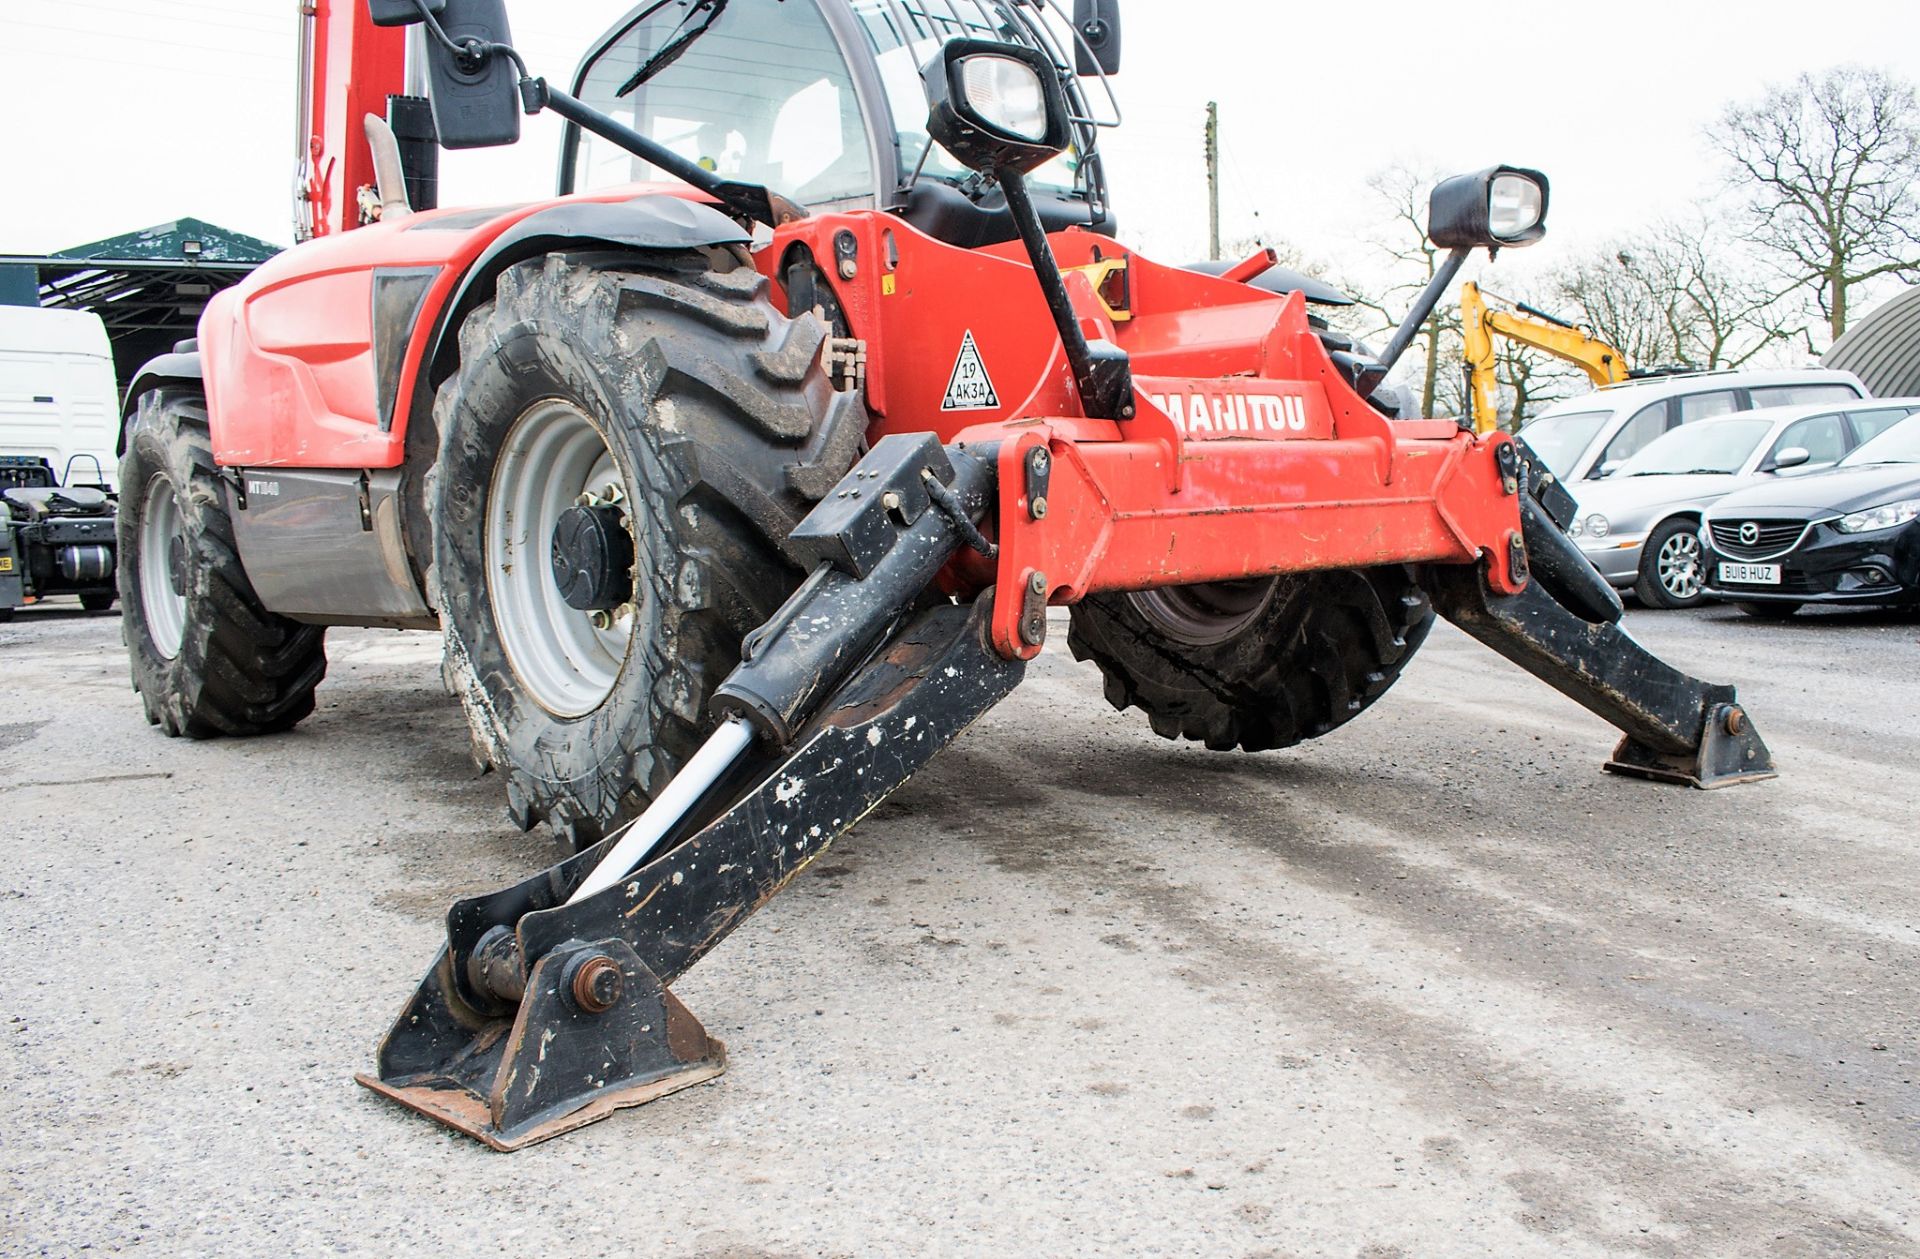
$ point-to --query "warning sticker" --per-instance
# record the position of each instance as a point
(970, 388)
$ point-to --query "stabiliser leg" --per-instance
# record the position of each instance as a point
(543, 1013)
(1676, 728)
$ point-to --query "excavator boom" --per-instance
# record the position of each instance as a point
(1481, 323)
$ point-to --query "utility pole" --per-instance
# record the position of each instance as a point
(1213, 180)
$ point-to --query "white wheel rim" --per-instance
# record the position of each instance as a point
(552, 456)
(162, 606)
(1680, 566)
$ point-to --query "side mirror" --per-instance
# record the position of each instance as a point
(1610, 467)
(1502, 206)
(476, 98)
(1096, 47)
(1791, 457)
(996, 107)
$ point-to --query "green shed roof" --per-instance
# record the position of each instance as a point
(189, 240)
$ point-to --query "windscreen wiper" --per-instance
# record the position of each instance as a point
(681, 39)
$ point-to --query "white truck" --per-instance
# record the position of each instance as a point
(59, 474)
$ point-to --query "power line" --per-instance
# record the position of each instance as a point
(141, 39)
(1246, 192)
(66, 54)
(150, 15)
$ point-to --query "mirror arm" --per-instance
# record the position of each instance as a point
(1410, 326)
(1102, 372)
(749, 201)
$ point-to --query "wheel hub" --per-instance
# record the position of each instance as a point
(163, 566)
(592, 556)
(1680, 565)
(560, 554)
(177, 564)
(1206, 614)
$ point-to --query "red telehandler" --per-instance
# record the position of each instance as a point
(741, 475)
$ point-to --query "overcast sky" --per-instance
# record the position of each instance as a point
(133, 112)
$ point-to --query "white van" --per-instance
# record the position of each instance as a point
(1585, 438)
(58, 398)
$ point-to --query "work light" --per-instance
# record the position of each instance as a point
(1500, 207)
(996, 107)
(1007, 94)
(1514, 206)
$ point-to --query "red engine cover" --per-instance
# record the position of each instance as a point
(290, 352)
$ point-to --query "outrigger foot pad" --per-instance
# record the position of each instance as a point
(1731, 751)
(1677, 728)
(543, 1013)
(595, 1032)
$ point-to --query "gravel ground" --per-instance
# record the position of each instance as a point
(1433, 986)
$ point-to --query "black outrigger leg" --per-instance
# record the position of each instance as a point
(1676, 728)
(542, 1012)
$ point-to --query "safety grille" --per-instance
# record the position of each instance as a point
(1768, 537)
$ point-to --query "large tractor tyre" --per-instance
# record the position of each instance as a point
(1673, 567)
(207, 659)
(1257, 664)
(623, 453)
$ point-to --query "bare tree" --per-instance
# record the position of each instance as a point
(1677, 293)
(1402, 191)
(1830, 166)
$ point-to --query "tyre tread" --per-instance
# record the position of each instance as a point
(1309, 664)
(241, 670)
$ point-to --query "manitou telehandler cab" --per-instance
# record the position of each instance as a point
(741, 475)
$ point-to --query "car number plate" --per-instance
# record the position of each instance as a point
(1751, 574)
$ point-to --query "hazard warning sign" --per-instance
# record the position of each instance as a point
(970, 388)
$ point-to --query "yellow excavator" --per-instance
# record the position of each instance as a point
(1481, 323)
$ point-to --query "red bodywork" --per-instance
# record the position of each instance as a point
(1248, 453)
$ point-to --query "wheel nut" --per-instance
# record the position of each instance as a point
(601, 620)
(597, 983)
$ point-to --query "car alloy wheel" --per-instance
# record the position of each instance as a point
(1681, 566)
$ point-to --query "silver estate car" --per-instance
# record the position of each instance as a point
(1640, 525)
(1584, 438)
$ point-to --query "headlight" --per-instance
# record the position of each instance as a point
(1577, 529)
(1885, 516)
(1597, 526)
(1007, 94)
(1513, 206)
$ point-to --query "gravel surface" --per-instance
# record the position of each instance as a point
(1433, 986)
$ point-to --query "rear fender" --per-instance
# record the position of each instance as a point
(180, 368)
(655, 223)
